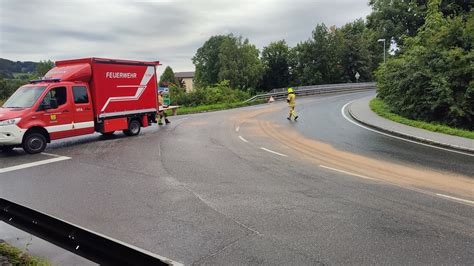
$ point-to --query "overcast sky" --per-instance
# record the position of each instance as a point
(164, 30)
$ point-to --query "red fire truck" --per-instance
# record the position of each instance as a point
(79, 97)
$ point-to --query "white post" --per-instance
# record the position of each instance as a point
(384, 49)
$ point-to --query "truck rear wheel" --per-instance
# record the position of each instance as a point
(34, 143)
(133, 128)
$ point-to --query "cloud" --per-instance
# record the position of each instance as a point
(166, 30)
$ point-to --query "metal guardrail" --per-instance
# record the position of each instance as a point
(279, 94)
(85, 243)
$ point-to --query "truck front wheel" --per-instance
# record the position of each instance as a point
(34, 142)
(133, 128)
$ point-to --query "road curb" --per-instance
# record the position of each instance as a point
(408, 136)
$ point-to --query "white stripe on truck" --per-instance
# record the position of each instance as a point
(150, 71)
(59, 128)
(127, 112)
(83, 125)
(66, 127)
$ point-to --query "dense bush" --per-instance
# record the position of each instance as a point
(219, 93)
(432, 79)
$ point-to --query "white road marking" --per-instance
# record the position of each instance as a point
(274, 152)
(242, 138)
(396, 137)
(237, 129)
(409, 188)
(33, 164)
(457, 199)
(50, 154)
(345, 172)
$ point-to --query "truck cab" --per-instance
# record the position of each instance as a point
(43, 111)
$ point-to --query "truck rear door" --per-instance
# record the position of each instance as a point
(83, 113)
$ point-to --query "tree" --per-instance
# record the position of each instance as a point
(228, 58)
(3, 89)
(275, 60)
(316, 61)
(229, 61)
(432, 79)
(251, 67)
(240, 63)
(392, 20)
(206, 61)
(353, 52)
(168, 78)
(43, 67)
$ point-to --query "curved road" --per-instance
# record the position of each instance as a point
(246, 186)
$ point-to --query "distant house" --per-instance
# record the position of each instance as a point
(186, 79)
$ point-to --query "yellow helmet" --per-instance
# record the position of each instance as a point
(290, 90)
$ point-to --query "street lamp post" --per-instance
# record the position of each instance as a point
(383, 40)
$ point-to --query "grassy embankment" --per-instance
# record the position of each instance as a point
(380, 108)
(16, 256)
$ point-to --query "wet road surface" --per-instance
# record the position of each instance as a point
(246, 186)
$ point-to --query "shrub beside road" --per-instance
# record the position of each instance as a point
(431, 78)
(219, 96)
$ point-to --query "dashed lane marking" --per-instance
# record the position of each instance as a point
(345, 172)
(33, 164)
(274, 152)
(459, 200)
(456, 199)
(237, 129)
(244, 140)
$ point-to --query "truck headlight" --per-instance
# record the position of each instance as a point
(8, 122)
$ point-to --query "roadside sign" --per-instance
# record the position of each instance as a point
(163, 89)
(166, 95)
(357, 76)
(166, 99)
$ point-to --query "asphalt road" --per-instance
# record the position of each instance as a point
(246, 186)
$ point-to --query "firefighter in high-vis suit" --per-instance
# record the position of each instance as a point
(161, 113)
(291, 103)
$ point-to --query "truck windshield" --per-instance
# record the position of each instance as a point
(24, 97)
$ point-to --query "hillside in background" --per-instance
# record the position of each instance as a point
(8, 68)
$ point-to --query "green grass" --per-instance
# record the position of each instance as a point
(381, 108)
(211, 107)
(16, 256)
